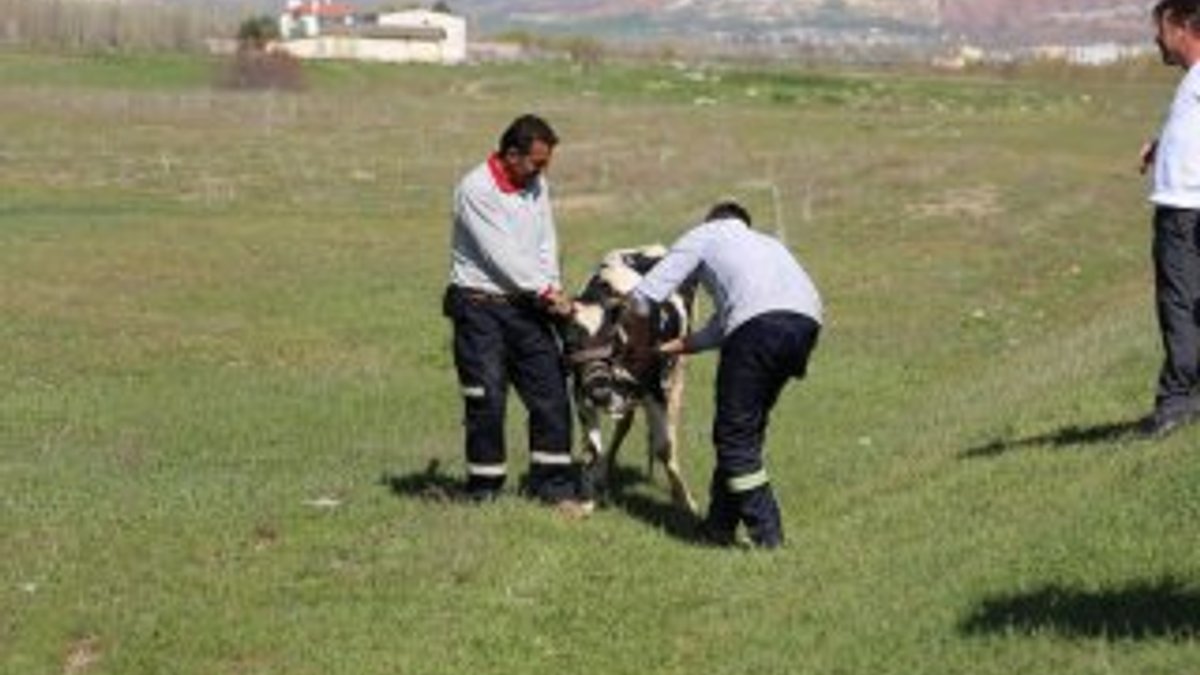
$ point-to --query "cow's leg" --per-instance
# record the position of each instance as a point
(621, 426)
(593, 449)
(674, 394)
(589, 425)
(661, 420)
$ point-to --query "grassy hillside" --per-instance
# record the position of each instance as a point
(220, 326)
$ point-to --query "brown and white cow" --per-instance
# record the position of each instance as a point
(595, 345)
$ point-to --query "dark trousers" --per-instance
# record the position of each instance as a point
(757, 360)
(497, 342)
(1177, 295)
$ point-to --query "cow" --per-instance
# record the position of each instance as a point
(594, 344)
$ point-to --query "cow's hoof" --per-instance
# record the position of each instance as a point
(573, 509)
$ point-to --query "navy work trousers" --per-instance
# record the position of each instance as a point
(757, 360)
(498, 341)
(1177, 295)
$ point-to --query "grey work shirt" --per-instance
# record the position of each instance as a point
(747, 273)
(504, 240)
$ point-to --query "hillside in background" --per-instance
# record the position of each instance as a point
(1032, 21)
(993, 22)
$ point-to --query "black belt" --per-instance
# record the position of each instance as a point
(480, 297)
(485, 298)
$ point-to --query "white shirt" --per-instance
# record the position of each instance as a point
(1177, 159)
(504, 239)
(747, 273)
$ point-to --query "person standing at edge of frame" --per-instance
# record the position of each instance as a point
(505, 291)
(766, 321)
(1175, 158)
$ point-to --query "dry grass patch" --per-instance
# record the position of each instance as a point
(82, 656)
(960, 203)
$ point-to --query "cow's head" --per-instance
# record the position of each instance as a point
(593, 341)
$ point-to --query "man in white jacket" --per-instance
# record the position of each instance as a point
(1175, 158)
(505, 286)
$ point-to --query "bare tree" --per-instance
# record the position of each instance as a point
(130, 25)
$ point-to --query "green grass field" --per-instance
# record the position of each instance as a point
(219, 314)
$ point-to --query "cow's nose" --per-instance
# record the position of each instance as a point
(600, 394)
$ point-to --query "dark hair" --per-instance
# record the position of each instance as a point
(524, 132)
(1179, 12)
(728, 209)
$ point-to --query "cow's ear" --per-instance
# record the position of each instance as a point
(654, 252)
(589, 317)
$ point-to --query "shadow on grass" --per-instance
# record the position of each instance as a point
(1065, 437)
(431, 484)
(663, 514)
(1143, 610)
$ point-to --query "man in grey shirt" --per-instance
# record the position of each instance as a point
(766, 323)
(504, 289)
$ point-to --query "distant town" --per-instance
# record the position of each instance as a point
(314, 29)
(947, 34)
(333, 29)
(329, 29)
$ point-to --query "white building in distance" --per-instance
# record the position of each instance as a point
(322, 29)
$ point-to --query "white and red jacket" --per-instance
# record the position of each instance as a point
(504, 240)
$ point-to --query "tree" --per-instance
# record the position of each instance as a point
(255, 32)
(585, 52)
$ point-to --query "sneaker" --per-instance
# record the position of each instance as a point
(1158, 426)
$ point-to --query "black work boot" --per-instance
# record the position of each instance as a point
(719, 527)
(760, 512)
